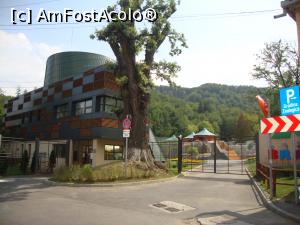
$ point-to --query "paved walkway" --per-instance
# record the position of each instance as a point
(208, 197)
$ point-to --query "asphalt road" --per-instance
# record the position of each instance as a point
(30, 201)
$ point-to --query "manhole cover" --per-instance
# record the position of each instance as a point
(172, 207)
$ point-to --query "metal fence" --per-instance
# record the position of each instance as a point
(12, 149)
(199, 156)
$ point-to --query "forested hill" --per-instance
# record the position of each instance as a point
(219, 108)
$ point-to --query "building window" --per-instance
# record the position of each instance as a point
(39, 115)
(108, 104)
(83, 107)
(61, 111)
(60, 150)
(113, 152)
(27, 118)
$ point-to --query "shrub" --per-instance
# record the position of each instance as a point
(13, 171)
(52, 160)
(111, 172)
(87, 174)
(33, 167)
(3, 166)
(24, 162)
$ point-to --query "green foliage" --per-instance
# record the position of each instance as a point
(24, 162)
(278, 64)
(3, 166)
(127, 40)
(176, 110)
(3, 98)
(18, 91)
(246, 127)
(192, 150)
(33, 162)
(104, 173)
(13, 171)
(52, 160)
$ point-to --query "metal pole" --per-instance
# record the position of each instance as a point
(169, 156)
(242, 158)
(228, 157)
(202, 156)
(126, 149)
(270, 156)
(191, 160)
(295, 167)
(215, 156)
(179, 157)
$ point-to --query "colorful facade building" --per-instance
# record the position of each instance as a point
(74, 112)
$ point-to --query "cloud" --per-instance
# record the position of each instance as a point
(231, 66)
(22, 61)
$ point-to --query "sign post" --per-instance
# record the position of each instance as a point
(290, 104)
(126, 123)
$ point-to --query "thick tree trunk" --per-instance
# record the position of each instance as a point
(135, 104)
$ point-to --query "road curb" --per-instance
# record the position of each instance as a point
(109, 184)
(269, 204)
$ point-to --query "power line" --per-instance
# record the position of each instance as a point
(26, 4)
(177, 18)
(229, 13)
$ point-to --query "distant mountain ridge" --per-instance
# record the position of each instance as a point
(182, 110)
(233, 96)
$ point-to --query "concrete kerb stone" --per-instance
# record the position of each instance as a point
(269, 204)
(109, 184)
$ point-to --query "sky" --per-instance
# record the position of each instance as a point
(223, 40)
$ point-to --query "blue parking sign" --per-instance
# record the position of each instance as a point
(289, 101)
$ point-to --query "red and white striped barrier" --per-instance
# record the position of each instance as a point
(278, 124)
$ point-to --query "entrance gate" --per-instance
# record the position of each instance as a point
(205, 156)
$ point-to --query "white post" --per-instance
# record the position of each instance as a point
(293, 136)
(270, 155)
(126, 147)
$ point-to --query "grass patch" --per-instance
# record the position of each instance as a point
(283, 192)
(251, 166)
(187, 164)
(13, 171)
(106, 173)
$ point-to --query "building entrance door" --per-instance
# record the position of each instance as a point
(81, 151)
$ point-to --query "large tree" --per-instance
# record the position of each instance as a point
(129, 41)
(278, 64)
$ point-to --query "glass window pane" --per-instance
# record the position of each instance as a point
(89, 103)
(109, 147)
(110, 101)
(88, 110)
(108, 108)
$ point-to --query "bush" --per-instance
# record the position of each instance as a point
(87, 174)
(24, 162)
(33, 162)
(13, 171)
(3, 166)
(52, 160)
(111, 172)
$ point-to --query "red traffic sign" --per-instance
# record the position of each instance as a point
(279, 124)
(126, 123)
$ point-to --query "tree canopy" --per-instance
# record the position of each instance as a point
(128, 40)
(278, 64)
